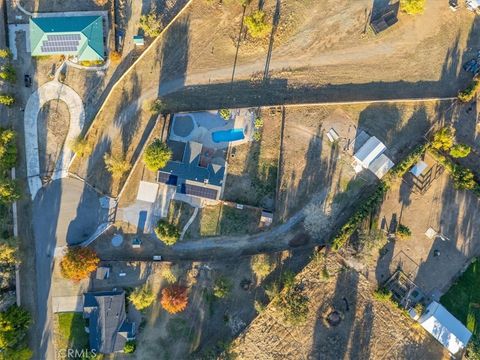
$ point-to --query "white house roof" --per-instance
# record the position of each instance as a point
(444, 327)
(381, 165)
(147, 191)
(369, 151)
(418, 169)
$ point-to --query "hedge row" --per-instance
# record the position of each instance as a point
(469, 93)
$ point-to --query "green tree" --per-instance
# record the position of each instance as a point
(6, 99)
(463, 178)
(258, 123)
(221, 287)
(412, 7)
(403, 231)
(7, 254)
(460, 150)
(80, 147)
(116, 165)
(8, 149)
(151, 24)
(167, 232)
(9, 191)
(470, 92)
(14, 323)
(261, 265)
(8, 73)
(443, 139)
(157, 155)
(130, 347)
(142, 297)
(257, 25)
(5, 53)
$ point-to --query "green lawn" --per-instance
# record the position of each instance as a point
(225, 220)
(463, 298)
(71, 331)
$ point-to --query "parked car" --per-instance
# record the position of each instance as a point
(157, 257)
(28, 80)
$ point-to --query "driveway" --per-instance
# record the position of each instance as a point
(64, 212)
(53, 90)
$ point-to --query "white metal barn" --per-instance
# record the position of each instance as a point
(369, 152)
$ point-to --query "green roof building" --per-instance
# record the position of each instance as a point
(79, 36)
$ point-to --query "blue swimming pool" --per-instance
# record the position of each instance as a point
(228, 135)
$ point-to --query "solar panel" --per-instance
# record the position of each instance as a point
(166, 178)
(199, 191)
(64, 37)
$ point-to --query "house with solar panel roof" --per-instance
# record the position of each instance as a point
(79, 37)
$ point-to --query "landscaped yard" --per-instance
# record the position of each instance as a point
(224, 220)
(179, 213)
(70, 331)
(463, 298)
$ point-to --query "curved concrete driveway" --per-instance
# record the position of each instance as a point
(53, 90)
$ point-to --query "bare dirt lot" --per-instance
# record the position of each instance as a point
(368, 329)
(450, 212)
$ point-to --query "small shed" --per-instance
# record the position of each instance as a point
(102, 273)
(138, 40)
(419, 168)
(444, 327)
(381, 165)
(369, 152)
(266, 218)
(147, 191)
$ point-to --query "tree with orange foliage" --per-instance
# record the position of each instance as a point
(174, 298)
(78, 263)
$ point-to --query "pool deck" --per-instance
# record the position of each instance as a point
(207, 122)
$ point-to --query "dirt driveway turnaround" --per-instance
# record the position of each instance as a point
(53, 90)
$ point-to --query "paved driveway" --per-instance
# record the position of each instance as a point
(65, 211)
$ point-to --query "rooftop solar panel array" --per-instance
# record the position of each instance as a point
(199, 191)
(61, 43)
(166, 178)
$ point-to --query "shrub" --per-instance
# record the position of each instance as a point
(7, 255)
(167, 274)
(158, 106)
(257, 25)
(443, 139)
(6, 99)
(403, 166)
(9, 191)
(14, 323)
(470, 92)
(261, 265)
(157, 155)
(80, 147)
(142, 297)
(361, 214)
(259, 306)
(174, 299)
(167, 232)
(419, 308)
(8, 73)
(151, 24)
(460, 150)
(225, 114)
(382, 294)
(117, 166)
(258, 123)
(130, 347)
(257, 136)
(412, 7)
(115, 56)
(8, 149)
(221, 288)
(78, 263)
(5, 53)
(403, 231)
(463, 178)
(292, 303)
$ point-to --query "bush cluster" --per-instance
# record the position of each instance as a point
(470, 92)
(257, 25)
(9, 190)
(291, 301)
(167, 232)
(14, 324)
(412, 7)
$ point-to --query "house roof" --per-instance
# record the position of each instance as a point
(444, 327)
(369, 152)
(108, 327)
(80, 36)
(419, 167)
(381, 165)
(190, 175)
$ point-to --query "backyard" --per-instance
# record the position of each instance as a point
(463, 297)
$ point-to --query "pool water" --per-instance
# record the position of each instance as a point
(228, 135)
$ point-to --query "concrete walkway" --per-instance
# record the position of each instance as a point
(53, 90)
